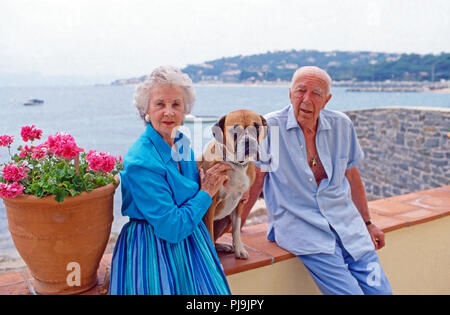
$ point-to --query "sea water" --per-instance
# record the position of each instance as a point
(103, 118)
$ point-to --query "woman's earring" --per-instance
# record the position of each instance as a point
(147, 118)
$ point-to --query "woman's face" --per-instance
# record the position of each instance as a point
(166, 110)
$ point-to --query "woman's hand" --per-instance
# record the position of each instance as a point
(212, 180)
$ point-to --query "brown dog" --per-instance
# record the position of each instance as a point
(236, 142)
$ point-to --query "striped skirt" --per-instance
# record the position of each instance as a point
(142, 263)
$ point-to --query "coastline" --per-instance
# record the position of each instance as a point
(422, 89)
(353, 87)
(443, 91)
(247, 84)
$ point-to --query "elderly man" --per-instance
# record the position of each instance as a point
(315, 197)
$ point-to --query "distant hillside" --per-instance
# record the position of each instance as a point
(341, 65)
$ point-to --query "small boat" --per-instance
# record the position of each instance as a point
(33, 101)
(192, 118)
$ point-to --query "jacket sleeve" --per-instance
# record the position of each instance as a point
(154, 199)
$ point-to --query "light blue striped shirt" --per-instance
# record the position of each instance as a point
(300, 212)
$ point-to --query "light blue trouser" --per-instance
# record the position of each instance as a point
(339, 273)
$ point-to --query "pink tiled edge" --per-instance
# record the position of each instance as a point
(389, 214)
(414, 208)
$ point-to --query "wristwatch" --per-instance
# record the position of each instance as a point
(368, 223)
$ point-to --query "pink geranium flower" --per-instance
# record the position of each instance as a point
(13, 172)
(24, 151)
(6, 140)
(100, 161)
(30, 133)
(40, 169)
(10, 190)
(39, 152)
(63, 145)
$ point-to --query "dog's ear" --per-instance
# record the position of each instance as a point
(218, 129)
(264, 121)
(263, 129)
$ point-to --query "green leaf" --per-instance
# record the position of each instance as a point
(61, 194)
(100, 180)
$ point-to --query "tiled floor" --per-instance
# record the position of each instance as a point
(389, 214)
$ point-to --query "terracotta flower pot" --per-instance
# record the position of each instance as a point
(62, 243)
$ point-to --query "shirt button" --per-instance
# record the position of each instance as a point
(301, 146)
(310, 179)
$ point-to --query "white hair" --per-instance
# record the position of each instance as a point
(165, 75)
(313, 70)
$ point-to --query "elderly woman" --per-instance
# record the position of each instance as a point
(166, 248)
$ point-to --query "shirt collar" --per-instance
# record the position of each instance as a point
(292, 122)
(162, 146)
(324, 124)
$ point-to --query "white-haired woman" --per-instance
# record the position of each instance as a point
(166, 248)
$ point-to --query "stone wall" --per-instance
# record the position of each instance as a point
(406, 149)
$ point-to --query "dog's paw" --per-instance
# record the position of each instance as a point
(240, 252)
(226, 248)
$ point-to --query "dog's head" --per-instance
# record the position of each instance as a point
(240, 133)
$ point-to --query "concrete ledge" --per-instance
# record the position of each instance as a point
(416, 258)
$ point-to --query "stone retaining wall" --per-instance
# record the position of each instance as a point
(406, 149)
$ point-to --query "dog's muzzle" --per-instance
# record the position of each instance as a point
(246, 149)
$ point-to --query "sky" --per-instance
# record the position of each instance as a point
(120, 39)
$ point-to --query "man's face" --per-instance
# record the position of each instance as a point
(308, 97)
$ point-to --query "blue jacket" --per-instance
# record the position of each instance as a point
(153, 188)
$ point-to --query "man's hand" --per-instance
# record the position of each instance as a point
(377, 236)
(360, 201)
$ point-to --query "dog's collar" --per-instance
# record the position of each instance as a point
(243, 165)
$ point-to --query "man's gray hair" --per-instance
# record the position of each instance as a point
(314, 71)
(165, 75)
